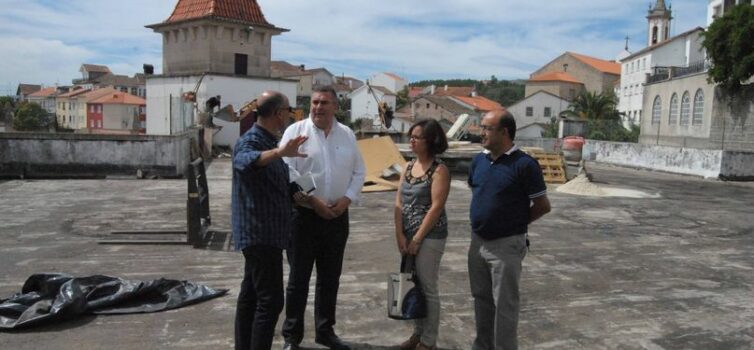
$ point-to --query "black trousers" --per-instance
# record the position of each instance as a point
(320, 242)
(260, 300)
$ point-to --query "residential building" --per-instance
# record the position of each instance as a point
(389, 81)
(66, 107)
(212, 48)
(78, 106)
(364, 102)
(117, 111)
(97, 76)
(539, 108)
(596, 75)
(304, 78)
(559, 84)
(25, 90)
(437, 108)
(45, 98)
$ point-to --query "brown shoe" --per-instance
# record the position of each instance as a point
(411, 343)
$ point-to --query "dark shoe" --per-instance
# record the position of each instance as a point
(410, 343)
(290, 346)
(331, 341)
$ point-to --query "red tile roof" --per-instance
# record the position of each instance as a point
(393, 76)
(46, 92)
(73, 93)
(598, 64)
(120, 98)
(247, 11)
(454, 91)
(555, 76)
(480, 103)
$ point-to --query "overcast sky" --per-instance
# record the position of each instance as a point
(45, 41)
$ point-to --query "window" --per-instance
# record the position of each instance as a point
(529, 111)
(698, 108)
(548, 112)
(643, 63)
(673, 117)
(656, 110)
(685, 109)
(242, 64)
(427, 105)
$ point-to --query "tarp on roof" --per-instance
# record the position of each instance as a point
(381, 157)
(56, 297)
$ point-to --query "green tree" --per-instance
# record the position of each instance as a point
(30, 116)
(401, 98)
(552, 129)
(7, 105)
(728, 42)
(343, 113)
(602, 119)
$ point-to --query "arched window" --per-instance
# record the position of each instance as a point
(698, 108)
(685, 109)
(654, 35)
(656, 110)
(673, 117)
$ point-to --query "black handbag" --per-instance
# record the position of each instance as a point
(405, 298)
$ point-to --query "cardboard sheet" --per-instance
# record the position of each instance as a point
(379, 154)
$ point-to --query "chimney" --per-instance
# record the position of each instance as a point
(446, 87)
(302, 67)
(432, 89)
(473, 93)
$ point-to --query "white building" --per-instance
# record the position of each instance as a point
(539, 108)
(684, 110)
(661, 53)
(683, 50)
(364, 102)
(389, 81)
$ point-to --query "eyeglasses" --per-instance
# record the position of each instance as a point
(415, 138)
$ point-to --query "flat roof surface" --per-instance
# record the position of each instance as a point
(672, 272)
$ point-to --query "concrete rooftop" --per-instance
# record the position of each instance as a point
(674, 272)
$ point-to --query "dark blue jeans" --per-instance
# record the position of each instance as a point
(314, 241)
(260, 300)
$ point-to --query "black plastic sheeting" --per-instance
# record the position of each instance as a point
(53, 297)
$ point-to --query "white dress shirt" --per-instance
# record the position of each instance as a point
(334, 161)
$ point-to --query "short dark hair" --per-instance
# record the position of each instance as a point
(271, 105)
(507, 121)
(326, 89)
(433, 133)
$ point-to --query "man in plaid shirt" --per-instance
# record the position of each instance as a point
(261, 216)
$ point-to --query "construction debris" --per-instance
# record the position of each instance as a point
(384, 164)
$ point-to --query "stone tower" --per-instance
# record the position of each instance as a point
(658, 21)
(216, 36)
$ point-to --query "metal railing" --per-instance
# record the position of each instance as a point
(667, 73)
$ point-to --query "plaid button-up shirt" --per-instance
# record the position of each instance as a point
(261, 201)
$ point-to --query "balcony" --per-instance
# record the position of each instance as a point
(668, 73)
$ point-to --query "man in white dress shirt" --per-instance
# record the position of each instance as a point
(320, 223)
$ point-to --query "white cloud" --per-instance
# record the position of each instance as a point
(416, 39)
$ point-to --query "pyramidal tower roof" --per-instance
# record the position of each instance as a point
(240, 11)
(660, 10)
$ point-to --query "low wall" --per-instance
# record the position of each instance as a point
(737, 165)
(50, 155)
(729, 165)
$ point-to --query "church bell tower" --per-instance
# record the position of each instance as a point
(658, 21)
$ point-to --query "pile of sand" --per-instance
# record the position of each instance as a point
(580, 185)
